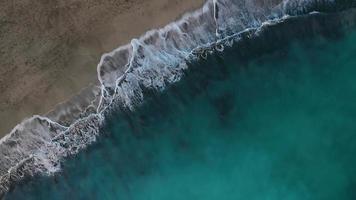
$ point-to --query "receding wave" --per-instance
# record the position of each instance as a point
(154, 61)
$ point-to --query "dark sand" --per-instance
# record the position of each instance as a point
(50, 48)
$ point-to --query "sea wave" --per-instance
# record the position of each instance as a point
(154, 61)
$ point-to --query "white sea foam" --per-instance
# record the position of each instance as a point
(153, 61)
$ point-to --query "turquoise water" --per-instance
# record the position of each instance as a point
(279, 126)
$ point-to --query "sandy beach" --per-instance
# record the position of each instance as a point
(50, 49)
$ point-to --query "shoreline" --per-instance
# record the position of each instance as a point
(33, 86)
(47, 141)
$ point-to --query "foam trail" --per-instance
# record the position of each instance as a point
(216, 15)
(153, 61)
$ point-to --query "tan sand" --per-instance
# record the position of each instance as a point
(49, 49)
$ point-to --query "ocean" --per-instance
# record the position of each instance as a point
(272, 117)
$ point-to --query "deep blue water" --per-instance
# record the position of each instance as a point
(280, 125)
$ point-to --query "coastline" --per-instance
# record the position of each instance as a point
(124, 74)
(44, 65)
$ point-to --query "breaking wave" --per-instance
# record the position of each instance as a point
(154, 61)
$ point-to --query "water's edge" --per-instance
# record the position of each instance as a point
(154, 61)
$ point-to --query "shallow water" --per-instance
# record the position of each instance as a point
(278, 126)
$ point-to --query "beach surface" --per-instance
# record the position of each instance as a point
(50, 49)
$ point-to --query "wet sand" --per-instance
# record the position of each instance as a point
(50, 49)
